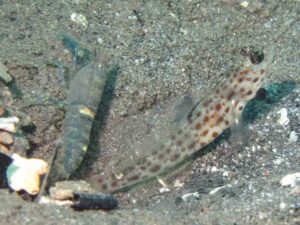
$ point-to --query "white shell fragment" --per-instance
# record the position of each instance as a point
(10, 127)
(12, 119)
(188, 196)
(164, 187)
(290, 180)
(244, 4)
(24, 174)
(283, 119)
(9, 124)
(293, 137)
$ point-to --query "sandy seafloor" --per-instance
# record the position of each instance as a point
(164, 50)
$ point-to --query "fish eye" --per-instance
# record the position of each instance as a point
(256, 57)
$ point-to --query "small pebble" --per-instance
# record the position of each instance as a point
(293, 137)
(178, 183)
(6, 138)
(296, 190)
(3, 73)
(282, 206)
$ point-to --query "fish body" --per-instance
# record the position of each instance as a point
(206, 121)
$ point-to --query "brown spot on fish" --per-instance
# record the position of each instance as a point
(204, 133)
(242, 90)
(231, 94)
(198, 114)
(206, 119)
(217, 91)
(198, 126)
(205, 104)
(154, 152)
(100, 179)
(155, 168)
(175, 157)
(218, 106)
(104, 187)
(192, 145)
(219, 120)
(249, 93)
(262, 71)
(114, 183)
(244, 72)
(227, 109)
(202, 144)
(178, 143)
(240, 80)
(227, 122)
(255, 80)
(143, 168)
(134, 177)
(215, 134)
(241, 108)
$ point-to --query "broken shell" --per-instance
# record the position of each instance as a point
(4, 149)
(24, 174)
(64, 190)
(10, 127)
(6, 138)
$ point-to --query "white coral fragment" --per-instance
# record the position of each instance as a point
(283, 119)
(24, 174)
(290, 180)
(79, 19)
